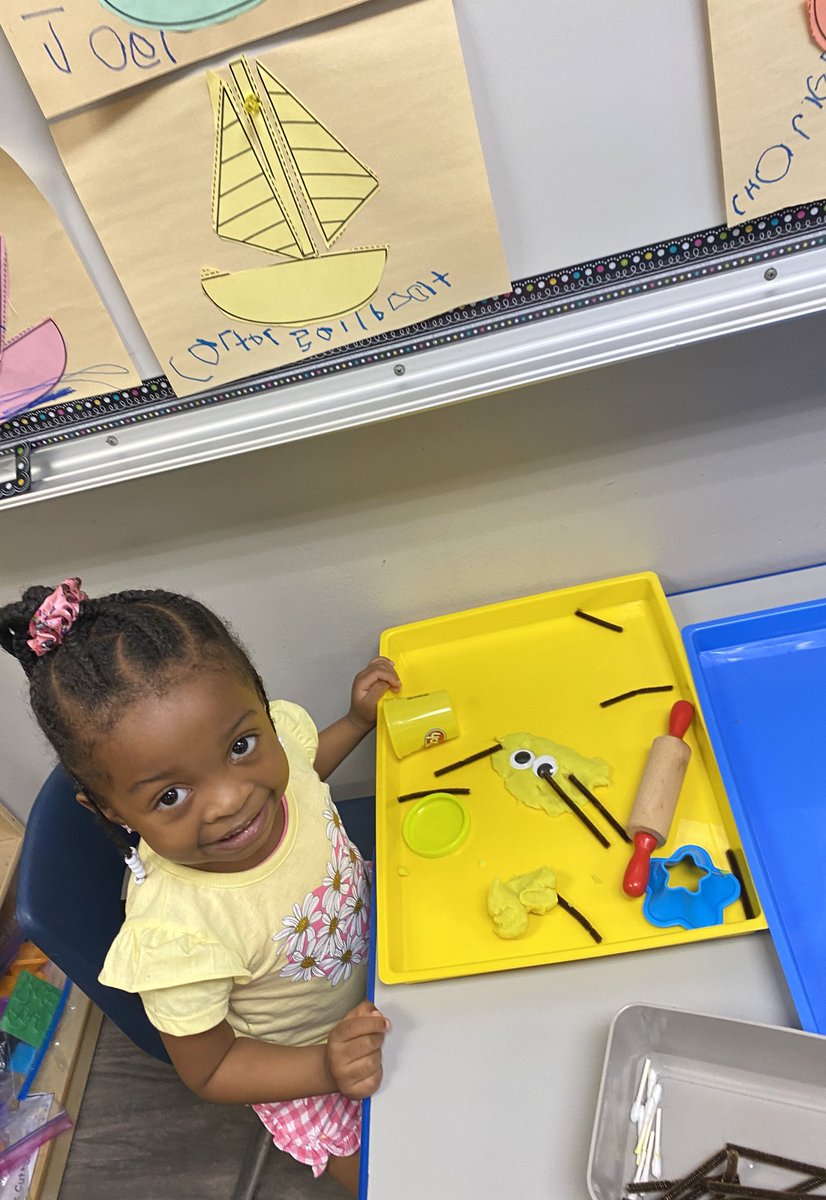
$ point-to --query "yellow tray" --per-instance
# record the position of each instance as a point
(531, 666)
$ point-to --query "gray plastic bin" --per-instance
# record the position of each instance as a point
(723, 1081)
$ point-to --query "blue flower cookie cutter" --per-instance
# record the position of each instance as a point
(666, 904)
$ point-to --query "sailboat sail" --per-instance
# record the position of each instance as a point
(336, 182)
(284, 183)
(33, 362)
(247, 205)
(262, 129)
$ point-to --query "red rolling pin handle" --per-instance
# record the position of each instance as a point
(635, 880)
(682, 714)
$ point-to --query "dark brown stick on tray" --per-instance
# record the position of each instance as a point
(600, 807)
(698, 1192)
(696, 1176)
(653, 1185)
(544, 772)
(745, 899)
(702, 1183)
(431, 791)
(643, 691)
(777, 1160)
(808, 1185)
(747, 1191)
(472, 758)
(598, 621)
(577, 915)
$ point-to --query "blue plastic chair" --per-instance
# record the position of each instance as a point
(69, 901)
(69, 904)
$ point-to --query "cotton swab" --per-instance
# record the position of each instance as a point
(656, 1160)
(643, 1173)
(636, 1107)
(641, 1163)
(649, 1151)
(644, 1126)
(648, 1121)
(649, 1088)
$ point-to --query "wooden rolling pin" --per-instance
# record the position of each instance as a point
(657, 796)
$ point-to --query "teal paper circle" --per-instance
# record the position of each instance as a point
(177, 15)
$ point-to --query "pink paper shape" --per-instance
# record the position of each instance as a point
(4, 271)
(33, 362)
(31, 367)
(817, 21)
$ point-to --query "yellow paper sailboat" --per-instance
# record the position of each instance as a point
(284, 184)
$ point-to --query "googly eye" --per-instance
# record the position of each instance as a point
(522, 760)
(546, 763)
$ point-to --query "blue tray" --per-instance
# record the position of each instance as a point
(761, 683)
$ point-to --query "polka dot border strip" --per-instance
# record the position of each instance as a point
(21, 477)
(538, 297)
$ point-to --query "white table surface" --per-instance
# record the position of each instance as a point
(491, 1082)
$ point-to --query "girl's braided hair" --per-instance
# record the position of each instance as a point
(121, 648)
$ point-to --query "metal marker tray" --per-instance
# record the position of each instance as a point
(761, 679)
(530, 665)
(723, 1081)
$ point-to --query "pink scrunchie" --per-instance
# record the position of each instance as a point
(55, 616)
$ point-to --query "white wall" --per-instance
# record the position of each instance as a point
(705, 464)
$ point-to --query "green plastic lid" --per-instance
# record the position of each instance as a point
(436, 825)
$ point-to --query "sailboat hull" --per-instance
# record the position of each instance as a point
(31, 367)
(300, 291)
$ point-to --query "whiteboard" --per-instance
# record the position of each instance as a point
(598, 128)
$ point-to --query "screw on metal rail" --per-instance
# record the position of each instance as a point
(770, 273)
(399, 369)
(111, 441)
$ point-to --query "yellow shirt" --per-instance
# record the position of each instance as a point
(279, 951)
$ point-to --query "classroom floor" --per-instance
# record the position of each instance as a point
(141, 1133)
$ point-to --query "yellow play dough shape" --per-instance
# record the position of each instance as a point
(529, 789)
(510, 919)
(509, 903)
(537, 890)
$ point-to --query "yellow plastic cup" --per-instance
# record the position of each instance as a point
(415, 722)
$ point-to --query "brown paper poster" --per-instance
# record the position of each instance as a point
(56, 338)
(296, 201)
(770, 78)
(77, 51)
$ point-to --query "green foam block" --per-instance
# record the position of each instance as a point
(30, 1009)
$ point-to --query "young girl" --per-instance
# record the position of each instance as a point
(246, 929)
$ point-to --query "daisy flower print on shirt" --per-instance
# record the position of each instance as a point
(300, 921)
(305, 960)
(330, 929)
(339, 874)
(335, 829)
(343, 961)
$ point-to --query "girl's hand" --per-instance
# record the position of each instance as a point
(353, 1051)
(337, 740)
(368, 686)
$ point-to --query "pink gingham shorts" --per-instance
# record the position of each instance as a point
(314, 1128)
